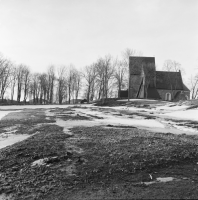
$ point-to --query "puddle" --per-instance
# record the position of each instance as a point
(160, 180)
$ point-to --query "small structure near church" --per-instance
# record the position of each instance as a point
(146, 82)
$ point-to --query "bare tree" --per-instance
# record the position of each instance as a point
(98, 82)
(13, 80)
(125, 58)
(105, 70)
(77, 83)
(43, 85)
(62, 84)
(172, 65)
(35, 88)
(119, 75)
(70, 79)
(20, 78)
(26, 82)
(194, 86)
(89, 74)
(5, 73)
(51, 82)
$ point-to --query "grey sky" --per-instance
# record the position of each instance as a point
(43, 32)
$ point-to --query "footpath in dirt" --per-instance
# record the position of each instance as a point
(92, 152)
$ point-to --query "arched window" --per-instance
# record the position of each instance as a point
(168, 97)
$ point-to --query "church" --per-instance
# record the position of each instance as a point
(147, 83)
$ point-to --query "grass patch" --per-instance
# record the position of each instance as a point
(25, 181)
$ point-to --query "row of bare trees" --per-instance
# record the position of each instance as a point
(100, 80)
(68, 84)
(107, 76)
(56, 85)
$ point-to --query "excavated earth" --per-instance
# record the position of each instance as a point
(61, 160)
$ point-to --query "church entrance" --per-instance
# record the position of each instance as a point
(168, 97)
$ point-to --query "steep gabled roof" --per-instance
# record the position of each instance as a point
(137, 62)
(169, 80)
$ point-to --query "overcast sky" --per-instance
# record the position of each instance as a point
(43, 32)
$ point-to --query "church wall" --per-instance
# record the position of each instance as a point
(185, 95)
(182, 96)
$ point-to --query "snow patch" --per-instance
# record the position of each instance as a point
(160, 180)
(132, 122)
(184, 114)
(39, 162)
(170, 107)
(136, 100)
(109, 118)
(4, 113)
(10, 139)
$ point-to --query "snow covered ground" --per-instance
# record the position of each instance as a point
(19, 107)
(184, 114)
(137, 100)
(111, 116)
(172, 107)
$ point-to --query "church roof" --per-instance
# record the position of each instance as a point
(170, 81)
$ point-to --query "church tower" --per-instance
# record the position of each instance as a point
(137, 76)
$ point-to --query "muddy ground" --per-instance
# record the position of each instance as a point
(98, 162)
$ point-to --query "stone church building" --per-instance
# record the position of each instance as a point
(146, 82)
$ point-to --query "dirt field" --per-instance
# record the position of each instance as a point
(97, 162)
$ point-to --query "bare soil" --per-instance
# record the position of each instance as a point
(95, 162)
